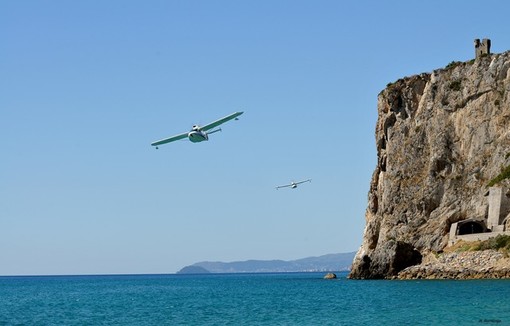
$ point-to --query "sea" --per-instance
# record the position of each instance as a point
(250, 299)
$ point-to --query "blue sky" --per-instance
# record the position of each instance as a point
(88, 85)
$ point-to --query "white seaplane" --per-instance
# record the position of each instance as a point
(293, 184)
(198, 133)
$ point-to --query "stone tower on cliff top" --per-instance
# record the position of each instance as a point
(482, 48)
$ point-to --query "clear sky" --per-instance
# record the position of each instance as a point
(86, 86)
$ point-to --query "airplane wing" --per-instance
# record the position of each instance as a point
(300, 182)
(170, 139)
(283, 186)
(220, 121)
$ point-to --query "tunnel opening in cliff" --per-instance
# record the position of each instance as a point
(470, 227)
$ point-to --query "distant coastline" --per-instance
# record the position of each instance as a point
(326, 263)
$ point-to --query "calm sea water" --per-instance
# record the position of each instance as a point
(249, 299)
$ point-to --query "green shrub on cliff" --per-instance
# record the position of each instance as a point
(453, 64)
(505, 174)
(499, 242)
(456, 85)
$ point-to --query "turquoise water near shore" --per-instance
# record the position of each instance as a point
(249, 299)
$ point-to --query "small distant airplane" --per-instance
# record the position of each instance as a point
(293, 184)
(198, 133)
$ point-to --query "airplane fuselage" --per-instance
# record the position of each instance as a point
(196, 136)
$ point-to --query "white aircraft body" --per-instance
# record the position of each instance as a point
(198, 133)
(293, 184)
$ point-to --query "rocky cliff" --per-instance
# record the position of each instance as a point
(441, 137)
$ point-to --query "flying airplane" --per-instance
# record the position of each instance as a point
(198, 133)
(293, 184)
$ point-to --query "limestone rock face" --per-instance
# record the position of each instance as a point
(441, 137)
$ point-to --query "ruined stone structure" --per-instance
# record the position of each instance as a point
(499, 205)
(483, 47)
(485, 227)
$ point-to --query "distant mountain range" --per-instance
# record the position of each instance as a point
(325, 263)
